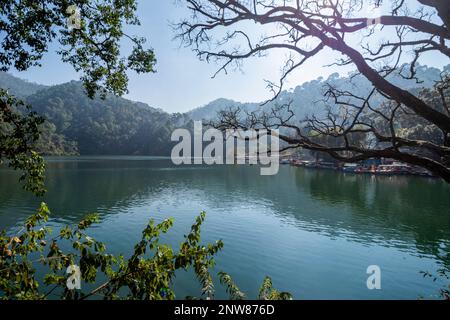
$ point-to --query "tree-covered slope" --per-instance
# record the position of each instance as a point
(306, 98)
(77, 124)
(18, 87)
(113, 126)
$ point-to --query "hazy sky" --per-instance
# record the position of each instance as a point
(182, 81)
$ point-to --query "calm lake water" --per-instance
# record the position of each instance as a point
(314, 232)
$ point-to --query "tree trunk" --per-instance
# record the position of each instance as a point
(442, 7)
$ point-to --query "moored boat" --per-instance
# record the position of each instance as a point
(350, 167)
(395, 168)
(368, 170)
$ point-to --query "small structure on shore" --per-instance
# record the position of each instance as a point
(370, 166)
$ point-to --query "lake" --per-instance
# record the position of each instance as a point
(313, 232)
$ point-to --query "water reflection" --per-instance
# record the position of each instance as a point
(367, 207)
(411, 209)
(404, 213)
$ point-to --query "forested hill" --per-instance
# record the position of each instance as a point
(79, 125)
(20, 88)
(306, 97)
(114, 126)
(117, 126)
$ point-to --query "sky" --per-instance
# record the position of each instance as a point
(182, 82)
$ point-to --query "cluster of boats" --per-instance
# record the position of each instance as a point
(389, 168)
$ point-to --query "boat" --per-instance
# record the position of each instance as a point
(309, 164)
(368, 170)
(350, 167)
(395, 168)
(300, 163)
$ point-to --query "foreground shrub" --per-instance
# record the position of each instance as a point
(148, 274)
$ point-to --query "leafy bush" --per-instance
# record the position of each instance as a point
(147, 275)
(18, 132)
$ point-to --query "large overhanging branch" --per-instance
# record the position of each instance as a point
(304, 28)
(441, 7)
(345, 146)
(305, 21)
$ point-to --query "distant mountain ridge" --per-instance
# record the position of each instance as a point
(79, 125)
(19, 87)
(118, 126)
(306, 97)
